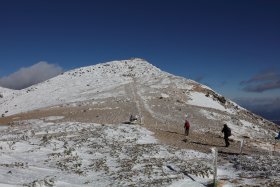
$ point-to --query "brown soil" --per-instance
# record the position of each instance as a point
(173, 136)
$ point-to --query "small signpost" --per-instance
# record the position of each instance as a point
(215, 159)
(241, 146)
(141, 119)
(274, 146)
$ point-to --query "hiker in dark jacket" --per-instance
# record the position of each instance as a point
(227, 132)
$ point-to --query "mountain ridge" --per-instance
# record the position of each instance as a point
(124, 69)
(83, 115)
(143, 87)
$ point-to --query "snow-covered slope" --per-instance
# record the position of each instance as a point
(5, 91)
(81, 130)
(98, 81)
(135, 81)
(2, 90)
(36, 153)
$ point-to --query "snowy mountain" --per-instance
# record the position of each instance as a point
(78, 85)
(84, 101)
(164, 96)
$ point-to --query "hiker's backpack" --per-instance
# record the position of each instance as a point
(229, 131)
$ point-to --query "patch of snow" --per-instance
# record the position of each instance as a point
(227, 171)
(6, 91)
(199, 99)
(206, 87)
(185, 84)
(8, 185)
(3, 127)
(190, 154)
(211, 115)
(164, 95)
(249, 125)
(264, 145)
(159, 86)
(87, 154)
(186, 182)
(53, 118)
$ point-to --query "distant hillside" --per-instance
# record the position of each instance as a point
(276, 122)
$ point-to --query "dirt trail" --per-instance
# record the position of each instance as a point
(173, 136)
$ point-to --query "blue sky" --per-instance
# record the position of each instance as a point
(232, 46)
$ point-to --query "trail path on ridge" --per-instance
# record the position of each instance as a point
(174, 135)
(167, 130)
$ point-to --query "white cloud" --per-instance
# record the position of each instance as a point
(266, 107)
(28, 76)
(263, 81)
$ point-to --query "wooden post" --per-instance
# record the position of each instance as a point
(274, 146)
(215, 159)
(241, 146)
(141, 120)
